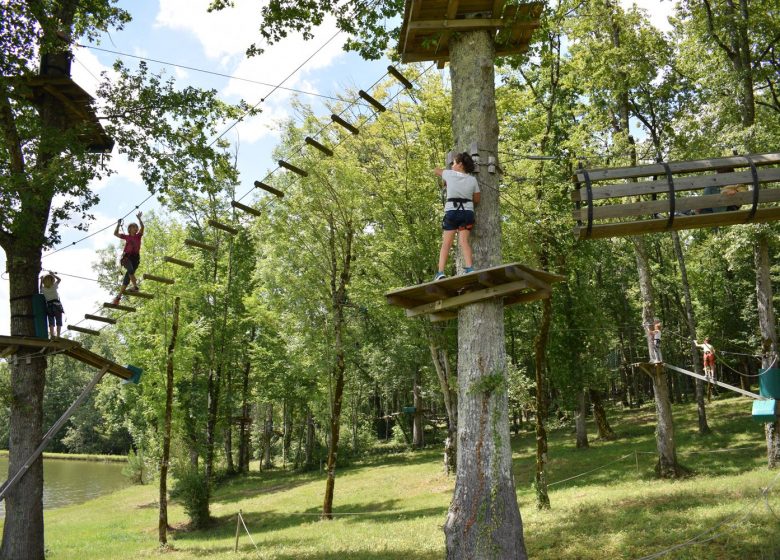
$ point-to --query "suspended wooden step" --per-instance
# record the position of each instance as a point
(244, 208)
(83, 330)
(119, 307)
(224, 227)
(338, 120)
(293, 168)
(75, 105)
(677, 195)
(269, 188)
(100, 318)
(428, 26)
(160, 279)
(314, 144)
(200, 245)
(440, 300)
(400, 77)
(372, 101)
(142, 295)
(69, 347)
(173, 260)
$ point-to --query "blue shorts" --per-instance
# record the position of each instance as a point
(458, 220)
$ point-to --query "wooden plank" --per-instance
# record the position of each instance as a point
(244, 208)
(338, 120)
(269, 188)
(442, 316)
(600, 231)
(710, 164)
(517, 273)
(681, 204)
(437, 291)
(34, 342)
(100, 318)
(314, 144)
(290, 167)
(160, 279)
(372, 101)
(466, 299)
(498, 8)
(180, 262)
(200, 245)
(88, 357)
(714, 382)
(400, 77)
(119, 307)
(444, 39)
(401, 301)
(527, 297)
(487, 279)
(224, 227)
(8, 351)
(142, 295)
(461, 25)
(83, 330)
(661, 186)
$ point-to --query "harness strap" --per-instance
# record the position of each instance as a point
(458, 202)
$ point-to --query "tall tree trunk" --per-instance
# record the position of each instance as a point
(484, 518)
(309, 439)
(287, 418)
(441, 363)
(600, 416)
(580, 420)
(667, 466)
(769, 347)
(692, 336)
(162, 527)
(211, 419)
(417, 419)
(243, 434)
(229, 464)
(268, 434)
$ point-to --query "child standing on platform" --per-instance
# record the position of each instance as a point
(462, 195)
(54, 310)
(131, 256)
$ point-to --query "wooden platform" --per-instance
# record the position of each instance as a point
(10, 345)
(663, 196)
(440, 300)
(648, 367)
(76, 105)
(429, 24)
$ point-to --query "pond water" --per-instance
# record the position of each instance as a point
(73, 482)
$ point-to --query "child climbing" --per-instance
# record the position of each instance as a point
(462, 195)
(709, 358)
(655, 332)
(131, 256)
(54, 310)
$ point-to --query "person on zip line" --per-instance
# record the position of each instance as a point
(462, 195)
(131, 256)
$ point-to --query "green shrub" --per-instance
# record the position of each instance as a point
(135, 469)
(191, 489)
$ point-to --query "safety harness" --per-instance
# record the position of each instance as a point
(459, 202)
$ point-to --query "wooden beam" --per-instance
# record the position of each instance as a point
(452, 25)
(401, 301)
(161, 279)
(314, 144)
(661, 186)
(372, 101)
(600, 231)
(442, 316)
(444, 38)
(83, 330)
(119, 307)
(244, 208)
(200, 245)
(400, 77)
(527, 297)
(681, 204)
(338, 120)
(100, 318)
(693, 166)
(293, 168)
(466, 299)
(142, 295)
(714, 382)
(269, 188)
(436, 291)
(517, 273)
(8, 351)
(173, 260)
(224, 227)
(487, 279)
(78, 352)
(498, 8)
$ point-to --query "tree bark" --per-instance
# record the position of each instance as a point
(769, 347)
(600, 416)
(268, 434)
(540, 359)
(692, 336)
(162, 527)
(580, 421)
(243, 433)
(417, 419)
(309, 439)
(441, 363)
(484, 518)
(667, 466)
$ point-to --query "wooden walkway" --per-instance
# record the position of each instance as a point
(13, 345)
(440, 300)
(648, 367)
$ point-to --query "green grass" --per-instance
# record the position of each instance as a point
(615, 512)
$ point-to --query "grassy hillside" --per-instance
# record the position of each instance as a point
(395, 507)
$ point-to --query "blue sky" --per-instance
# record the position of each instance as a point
(182, 32)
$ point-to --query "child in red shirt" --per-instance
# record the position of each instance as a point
(131, 257)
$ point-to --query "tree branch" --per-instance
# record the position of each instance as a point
(711, 28)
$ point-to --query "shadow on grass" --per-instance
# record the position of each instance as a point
(271, 520)
(246, 550)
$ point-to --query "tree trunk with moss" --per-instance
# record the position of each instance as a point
(483, 519)
(600, 416)
(580, 421)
